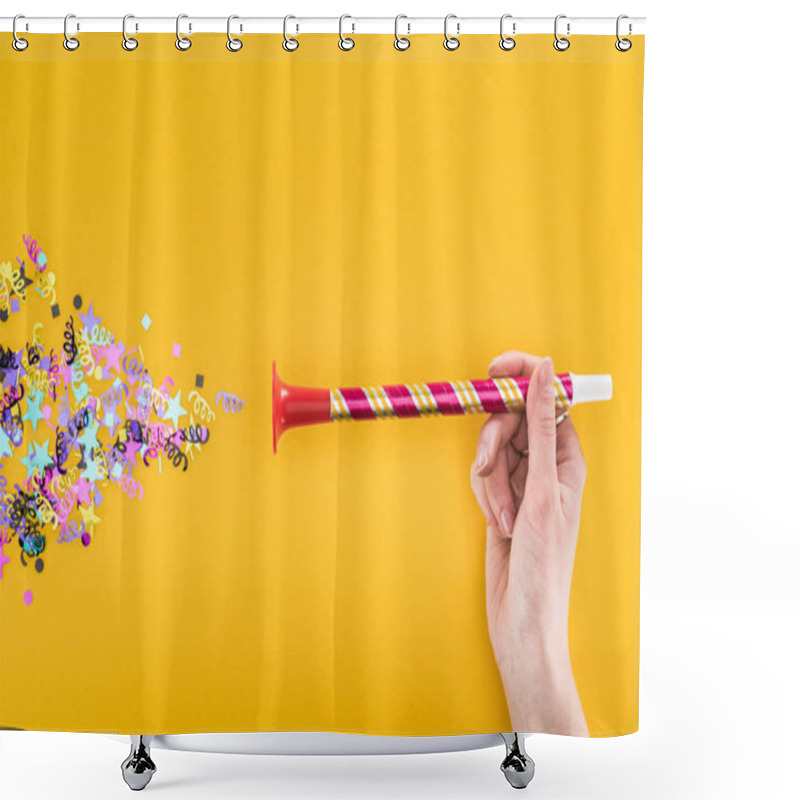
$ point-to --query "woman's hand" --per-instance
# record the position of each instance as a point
(528, 478)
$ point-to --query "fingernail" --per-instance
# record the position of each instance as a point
(546, 387)
(506, 522)
(482, 459)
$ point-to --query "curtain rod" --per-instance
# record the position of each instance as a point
(407, 25)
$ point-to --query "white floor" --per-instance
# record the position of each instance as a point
(719, 701)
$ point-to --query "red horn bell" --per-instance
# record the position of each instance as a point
(293, 406)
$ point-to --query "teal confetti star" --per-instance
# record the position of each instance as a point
(88, 437)
(80, 390)
(34, 412)
(174, 409)
(29, 462)
(91, 473)
(42, 457)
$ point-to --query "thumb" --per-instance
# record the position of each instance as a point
(541, 419)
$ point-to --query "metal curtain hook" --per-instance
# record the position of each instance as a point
(233, 44)
(18, 43)
(182, 42)
(290, 44)
(623, 45)
(400, 42)
(345, 42)
(507, 42)
(70, 42)
(128, 42)
(451, 42)
(561, 44)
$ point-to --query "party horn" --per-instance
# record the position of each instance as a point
(293, 406)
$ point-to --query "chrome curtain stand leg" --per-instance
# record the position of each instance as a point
(517, 766)
(138, 768)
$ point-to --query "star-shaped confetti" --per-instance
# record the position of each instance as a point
(28, 462)
(80, 390)
(112, 354)
(34, 412)
(89, 319)
(90, 519)
(131, 449)
(41, 457)
(26, 281)
(174, 410)
(88, 436)
(65, 373)
(82, 491)
(112, 413)
(92, 473)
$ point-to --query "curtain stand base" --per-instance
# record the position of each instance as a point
(138, 768)
(518, 767)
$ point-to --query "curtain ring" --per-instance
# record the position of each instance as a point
(182, 42)
(451, 42)
(128, 42)
(233, 44)
(561, 43)
(70, 42)
(400, 42)
(345, 42)
(18, 43)
(290, 44)
(623, 45)
(507, 42)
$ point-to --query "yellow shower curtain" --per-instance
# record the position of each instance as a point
(173, 221)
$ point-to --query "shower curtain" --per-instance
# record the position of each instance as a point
(171, 223)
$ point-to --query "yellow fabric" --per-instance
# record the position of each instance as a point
(363, 218)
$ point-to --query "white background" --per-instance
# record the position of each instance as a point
(720, 552)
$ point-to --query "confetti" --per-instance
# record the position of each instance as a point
(78, 417)
(231, 404)
(4, 559)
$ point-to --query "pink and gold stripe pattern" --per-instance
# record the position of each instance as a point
(486, 396)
